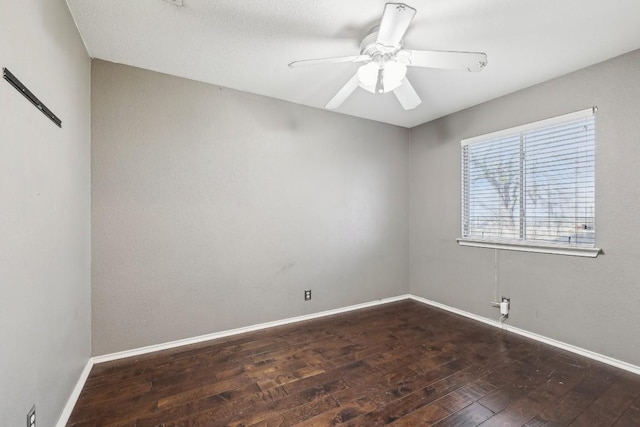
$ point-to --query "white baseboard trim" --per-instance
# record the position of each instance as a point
(208, 337)
(75, 394)
(559, 344)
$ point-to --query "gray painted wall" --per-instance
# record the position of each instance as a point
(45, 246)
(214, 209)
(591, 303)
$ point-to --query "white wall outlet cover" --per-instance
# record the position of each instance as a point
(31, 417)
(504, 307)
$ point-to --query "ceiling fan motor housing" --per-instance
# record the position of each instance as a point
(370, 47)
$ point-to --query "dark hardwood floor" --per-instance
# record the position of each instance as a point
(403, 363)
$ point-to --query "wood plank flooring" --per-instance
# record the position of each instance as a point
(400, 364)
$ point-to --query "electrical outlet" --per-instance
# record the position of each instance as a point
(31, 417)
(307, 295)
(505, 306)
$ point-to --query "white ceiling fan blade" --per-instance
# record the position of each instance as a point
(407, 95)
(336, 60)
(344, 93)
(395, 22)
(469, 61)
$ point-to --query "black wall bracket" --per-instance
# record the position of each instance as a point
(13, 80)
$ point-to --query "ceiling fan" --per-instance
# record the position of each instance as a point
(386, 60)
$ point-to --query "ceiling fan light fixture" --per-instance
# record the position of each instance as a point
(393, 74)
(368, 74)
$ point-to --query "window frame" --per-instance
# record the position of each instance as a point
(524, 245)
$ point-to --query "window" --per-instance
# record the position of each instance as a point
(532, 187)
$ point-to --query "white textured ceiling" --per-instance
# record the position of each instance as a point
(246, 45)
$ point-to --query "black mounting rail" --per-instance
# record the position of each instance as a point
(13, 80)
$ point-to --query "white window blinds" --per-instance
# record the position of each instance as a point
(533, 184)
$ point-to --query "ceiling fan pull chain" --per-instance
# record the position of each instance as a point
(379, 83)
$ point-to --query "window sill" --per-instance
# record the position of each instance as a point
(527, 247)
